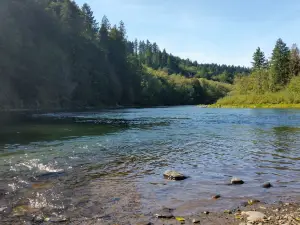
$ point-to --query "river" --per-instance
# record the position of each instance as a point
(108, 166)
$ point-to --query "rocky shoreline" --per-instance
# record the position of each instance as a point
(252, 211)
(258, 213)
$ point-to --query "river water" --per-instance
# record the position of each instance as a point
(107, 166)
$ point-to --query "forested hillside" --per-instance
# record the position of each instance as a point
(55, 55)
(272, 82)
(151, 55)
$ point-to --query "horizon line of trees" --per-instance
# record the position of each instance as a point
(150, 54)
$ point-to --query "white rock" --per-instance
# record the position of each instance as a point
(254, 216)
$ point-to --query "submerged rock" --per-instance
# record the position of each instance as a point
(267, 185)
(164, 213)
(216, 196)
(174, 175)
(59, 219)
(236, 180)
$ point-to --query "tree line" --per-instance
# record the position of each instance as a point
(54, 55)
(272, 81)
(150, 54)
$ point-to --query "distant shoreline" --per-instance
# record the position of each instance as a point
(257, 106)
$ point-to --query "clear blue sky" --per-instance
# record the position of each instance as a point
(219, 31)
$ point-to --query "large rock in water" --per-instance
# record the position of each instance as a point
(174, 175)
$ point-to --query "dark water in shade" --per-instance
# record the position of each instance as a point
(107, 166)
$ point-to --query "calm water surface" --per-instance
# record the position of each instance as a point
(107, 166)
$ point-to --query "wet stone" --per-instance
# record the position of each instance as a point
(253, 201)
(216, 196)
(58, 219)
(174, 175)
(267, 185)
(236, 180)
(196, 220)
(164, 213)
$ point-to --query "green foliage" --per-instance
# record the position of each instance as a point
(278, 85)
(160, 88)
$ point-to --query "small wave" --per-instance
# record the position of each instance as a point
(35, 164)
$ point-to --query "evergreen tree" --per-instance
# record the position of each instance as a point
(259, 60)
(295, 61)
(280, 66)
(91, 25)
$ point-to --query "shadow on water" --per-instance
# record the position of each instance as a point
(25, 128)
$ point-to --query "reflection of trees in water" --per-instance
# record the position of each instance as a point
(285, 138)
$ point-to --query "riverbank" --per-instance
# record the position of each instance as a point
(259, 213)
(256, 106)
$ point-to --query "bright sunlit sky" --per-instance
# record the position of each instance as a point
(209, 31)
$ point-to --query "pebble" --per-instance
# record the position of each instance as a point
(267, 185)
(216, 196)
(196, 220)
(174, 175)
(236, 180)
(58, 219)
(164, 213)
(253, 201)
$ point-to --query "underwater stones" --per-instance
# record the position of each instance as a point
(174, 175)
(236, 180)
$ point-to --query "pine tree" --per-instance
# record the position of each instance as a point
(280, 66)
(103, 35)
(91, 25)
(259, 60)
(295, 61)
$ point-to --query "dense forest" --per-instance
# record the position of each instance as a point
(55, 55)
(273, 81)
